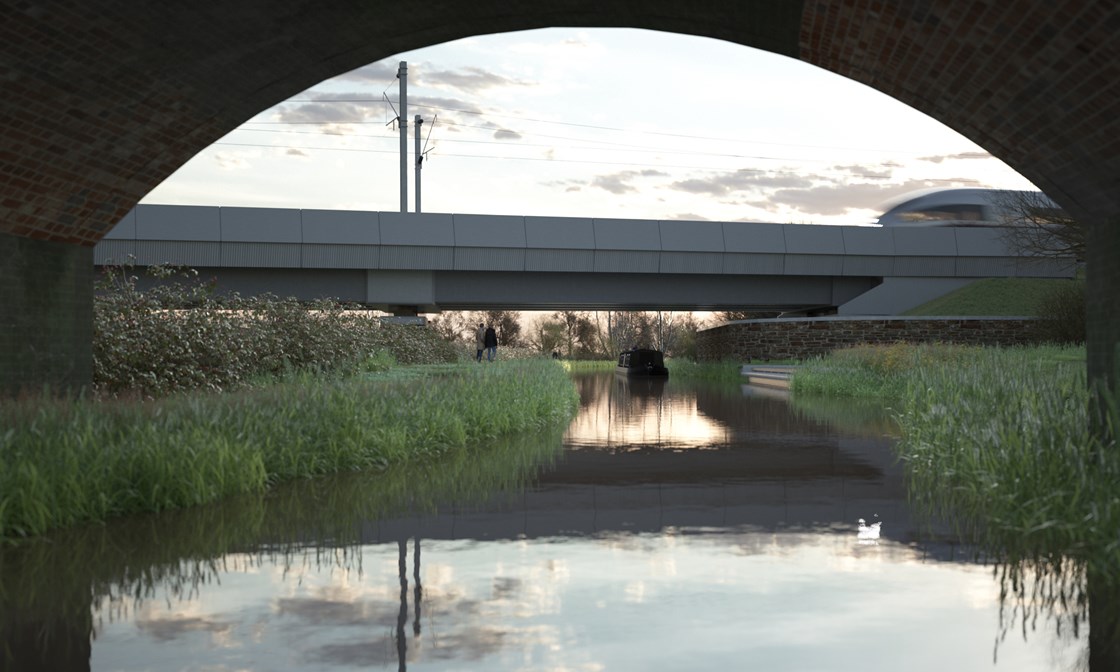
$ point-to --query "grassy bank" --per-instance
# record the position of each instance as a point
(727, 371)
(63, 463)
(996, 439)
(993, 296)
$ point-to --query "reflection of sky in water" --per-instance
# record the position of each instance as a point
(636, 414)
(674, 601)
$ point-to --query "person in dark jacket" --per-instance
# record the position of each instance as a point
(490, 340)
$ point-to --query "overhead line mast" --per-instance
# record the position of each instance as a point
(402, 75)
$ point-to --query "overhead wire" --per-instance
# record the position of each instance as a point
(631, 164)
(581, 125)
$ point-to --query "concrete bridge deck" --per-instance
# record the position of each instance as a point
(430, 262)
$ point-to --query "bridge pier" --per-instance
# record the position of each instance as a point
(46, 316)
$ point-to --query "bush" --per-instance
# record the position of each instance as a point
(180, 335)
(1061, 313)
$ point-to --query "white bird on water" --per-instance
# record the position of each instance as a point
(865, 531)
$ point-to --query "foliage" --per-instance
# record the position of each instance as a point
(63, 463)
(737, 315)
(723, 371)
(506, 323)
(588, 365)
(1005, 448)
(1000, 441)
(180, 335)
(877, 371)
(453, 326)
(1062, 313)
(125, 564)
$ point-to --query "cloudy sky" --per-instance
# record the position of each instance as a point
(592, 123)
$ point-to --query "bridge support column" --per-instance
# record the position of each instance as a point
(46, 316)
(1102, 298)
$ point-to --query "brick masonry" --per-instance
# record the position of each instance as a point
(753, 340)
(46, 315)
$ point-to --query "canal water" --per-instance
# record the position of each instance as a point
(674, 525)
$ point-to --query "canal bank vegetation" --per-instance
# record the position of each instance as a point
(181, 335)
(65, 462)
(105, 568)
(997, 440)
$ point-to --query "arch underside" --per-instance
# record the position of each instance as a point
(103, 102)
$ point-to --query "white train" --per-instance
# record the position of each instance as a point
(963, 207)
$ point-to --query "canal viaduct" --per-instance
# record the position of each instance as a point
(410, 263)
(103, 100)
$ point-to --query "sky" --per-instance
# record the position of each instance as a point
(605, 123)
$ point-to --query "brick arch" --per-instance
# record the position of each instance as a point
(101, 102)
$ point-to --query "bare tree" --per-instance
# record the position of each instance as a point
(1034, 225)
(453, 326)
(578, 332)
(736, 315)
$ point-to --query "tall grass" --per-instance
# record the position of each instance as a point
(1000, 442)
(726, 371)
(999, 437)
(120, 566)
(588, 365)
(63, 463)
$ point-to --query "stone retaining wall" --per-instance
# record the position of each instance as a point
(806, 337)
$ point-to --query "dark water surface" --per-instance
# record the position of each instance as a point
(674, 526)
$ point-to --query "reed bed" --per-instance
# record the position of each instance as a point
(999, 441)
(123, 565)
(728, 371)
(588, 365)
(64, 463)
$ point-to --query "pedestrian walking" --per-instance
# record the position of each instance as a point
(490, 340)
(479, 342)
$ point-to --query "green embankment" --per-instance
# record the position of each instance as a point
(991, 297)
(69, 462)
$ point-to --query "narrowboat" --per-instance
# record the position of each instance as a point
(642, 362)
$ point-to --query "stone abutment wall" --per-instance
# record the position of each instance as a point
(785, 338)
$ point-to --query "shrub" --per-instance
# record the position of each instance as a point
(180, 335)
(1061, 313)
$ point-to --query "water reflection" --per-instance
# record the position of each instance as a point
(686, 525)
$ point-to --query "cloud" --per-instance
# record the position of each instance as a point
(725, 184)
(167, 629)
(963, 156)
(837, 199)
(689, 217)
(467, 80)
(292, 151)
(506, 134)
(329, 112)
(619, 183)
(616, 184)
(867, 171)
(231, 161)
(339, 113)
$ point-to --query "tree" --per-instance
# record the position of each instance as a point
(736, 315)
(453, 326)
(1034, 225)
(675, 333)
(579, 333)
(550, 335)
(506, 323)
